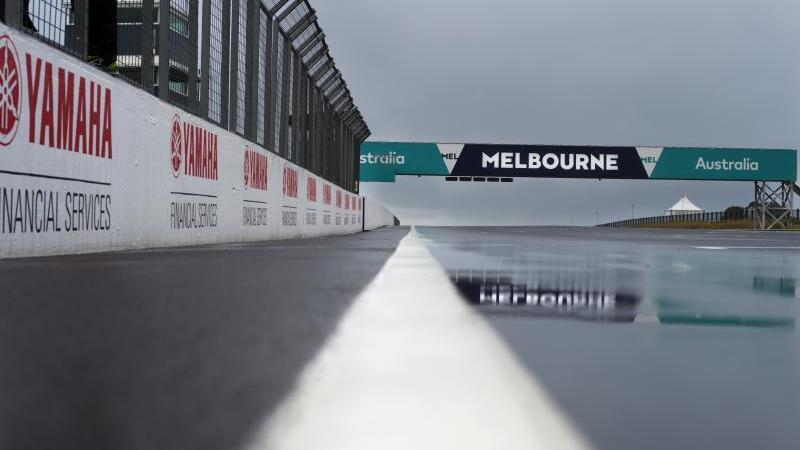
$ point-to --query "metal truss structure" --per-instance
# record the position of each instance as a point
(773, 205)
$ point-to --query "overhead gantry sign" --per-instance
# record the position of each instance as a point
(382, 161)
(774, 171)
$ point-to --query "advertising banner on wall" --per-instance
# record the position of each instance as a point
(382, 161)
(89, 163)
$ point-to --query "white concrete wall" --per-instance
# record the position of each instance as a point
(376, 215)
(132, 191)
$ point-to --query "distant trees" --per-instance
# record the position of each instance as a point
(734, 213)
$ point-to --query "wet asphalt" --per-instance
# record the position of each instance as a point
(647, 339)
(188, 348)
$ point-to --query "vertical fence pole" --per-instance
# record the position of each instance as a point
(274, 85)
(148, 21)
(13, 14)
(312, 126)
(80, 45)
(296, 110)
(225, 84)
(163, 49)
(251, 70)
(286, 75)
(233, 91)
(205, 58)
(194, 100)
(194, 38)
(268, 78)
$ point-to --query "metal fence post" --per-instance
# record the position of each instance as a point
(268, 80)
(163, 49)
(251, 70)
(205, 60)
(148, 21)
(302, 128)
(192, 92)
(297, 120)
(81, 20)
(312, 126)
(233, 90)
(274, 86)
(225, 84)
(13, 13)
(285, 94)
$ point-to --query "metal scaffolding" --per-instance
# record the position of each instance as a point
(773, 205)
(259, 68)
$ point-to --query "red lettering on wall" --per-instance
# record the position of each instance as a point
(311, 189)
(80, 123)
(255, 169)
(200, 155)
(214, 156)
(66, 91)
(48, 128)
(327, 194)
(290, 177)
(94, 119)
(61, 122)
(106, 148)
(33, 94)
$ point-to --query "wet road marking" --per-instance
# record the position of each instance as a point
(747, 248)
(411, 366)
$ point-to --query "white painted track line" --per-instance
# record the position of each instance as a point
(411, 366)
(747, 248)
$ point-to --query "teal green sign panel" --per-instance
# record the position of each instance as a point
(382, 161)
(726, 164)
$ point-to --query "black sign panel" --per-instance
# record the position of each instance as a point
(546, 161)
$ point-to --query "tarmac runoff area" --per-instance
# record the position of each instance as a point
(437, 338)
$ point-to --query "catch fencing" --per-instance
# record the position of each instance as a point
(259, 68)
(719, 216)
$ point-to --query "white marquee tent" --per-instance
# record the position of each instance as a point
(684, 206)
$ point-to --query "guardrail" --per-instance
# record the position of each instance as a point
(258, 68)
(719, 216)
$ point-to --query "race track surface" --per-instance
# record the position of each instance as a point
(697, 348)
(434, 337)
(187, 348)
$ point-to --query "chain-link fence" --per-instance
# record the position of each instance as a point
(260, 68)
(744, 214)
(131, 42)
(53, 21)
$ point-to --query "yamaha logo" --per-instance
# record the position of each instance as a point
(176, 143)
(10, 91)
(193, 150)
(256, 167)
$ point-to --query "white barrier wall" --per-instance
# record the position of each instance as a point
(89, 163)
(376, 215)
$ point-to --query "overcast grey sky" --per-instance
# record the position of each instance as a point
(611, 72)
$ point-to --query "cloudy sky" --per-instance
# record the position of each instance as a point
(611, 72)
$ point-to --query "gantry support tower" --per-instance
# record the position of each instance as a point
(773, 205)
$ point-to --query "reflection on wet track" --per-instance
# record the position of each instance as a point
(689, 338)
(504, 296)
(635, 278)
